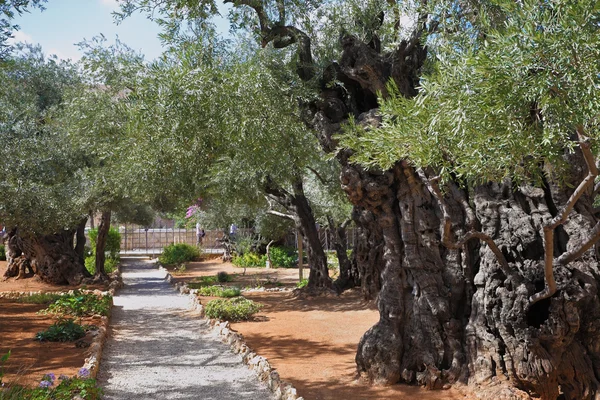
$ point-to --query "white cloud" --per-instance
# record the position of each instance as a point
(20, 37)
(112, 4)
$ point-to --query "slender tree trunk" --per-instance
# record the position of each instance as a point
(80, 240)
(103, 229)
(349, 276)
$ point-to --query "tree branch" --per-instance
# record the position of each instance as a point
(432, 185)
(311, 169)
(588, 181)
(282, 215)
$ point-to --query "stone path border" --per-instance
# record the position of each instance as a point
(260, 365)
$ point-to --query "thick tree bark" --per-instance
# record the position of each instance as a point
(51, 257)
(368, 251)
(103, 229)
(18, 265)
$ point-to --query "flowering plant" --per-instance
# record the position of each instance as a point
(194, 208)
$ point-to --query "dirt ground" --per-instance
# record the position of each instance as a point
(312, 342)
(31, 359)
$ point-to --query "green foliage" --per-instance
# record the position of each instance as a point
(110, 264)
(248, 260)
(80, 304)
(3, 361)
(2, 253)
(302, 284)
(236, 309)
(67, 389)
(283, 257)
(113, 242)
(219, 291)
(40, 298)
(223, 277)
(179, 253)
(63, 330)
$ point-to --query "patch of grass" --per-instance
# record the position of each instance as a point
(39, 298)
(179, 253)
(64, 330)
(67, 389)
(219, 291)
(236, 309)
(80, 304)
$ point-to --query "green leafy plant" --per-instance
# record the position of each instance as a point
(63, 330)
(113, 242)
(110, 264)
(40, 298)
(179, 253)
(2, 253)
(248, 260)
(219, 291)
(3, 361)
(236, 309)
(303, 283)
(283, 257)
(67, 389)
(80, 304)
(223, 277)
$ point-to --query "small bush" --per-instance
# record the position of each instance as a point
(65, 330)
(223, 277)
(2, 253)
(40, 298)
(175, 254)
(68, 388)
(110, 264)
(303, 283)
(113, 242)
(80, 304)
(248, 260)
(219, 291)
(236, 309)
(283, 257)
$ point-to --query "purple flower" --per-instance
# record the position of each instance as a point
(45, 384)
(50, 376)
(84, 372)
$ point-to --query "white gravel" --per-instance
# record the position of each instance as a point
(159, 349)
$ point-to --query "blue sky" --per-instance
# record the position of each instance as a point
(66, 22)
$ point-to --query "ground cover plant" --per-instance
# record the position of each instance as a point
(53, 388)
(219, 291)
(202, 281)
(80, 304)
(176, 254)
(236, 309)
(39, 298)
(63, 330)
(280, 257)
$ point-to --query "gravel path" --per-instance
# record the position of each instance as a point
(159, 349)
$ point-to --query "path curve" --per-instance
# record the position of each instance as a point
(159, 349)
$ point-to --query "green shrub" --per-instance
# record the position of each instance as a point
(110, 264)
(249, 260)
(40, 298)
(64, 330)
(223, 277)
(303, 283)
(283, 257)
(3, 361)
(67, 389)
(219, 291)
(175, 254)
(80, 304)
(2, 253)
(236, 309)
(113, 242)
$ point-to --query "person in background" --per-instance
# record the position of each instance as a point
(233, 230)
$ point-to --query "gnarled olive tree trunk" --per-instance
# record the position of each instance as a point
(103, 230)
(51, 257)
(449, 315)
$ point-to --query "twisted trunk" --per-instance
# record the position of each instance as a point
(349, 276)
(51, 257)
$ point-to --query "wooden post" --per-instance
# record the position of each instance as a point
(300, 271)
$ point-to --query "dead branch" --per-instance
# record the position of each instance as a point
(561, 217)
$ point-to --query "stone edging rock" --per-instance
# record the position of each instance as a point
(260, 365)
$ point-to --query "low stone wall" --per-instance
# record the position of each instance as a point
(260, 365)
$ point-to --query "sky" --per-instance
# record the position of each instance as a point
(66, 22)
